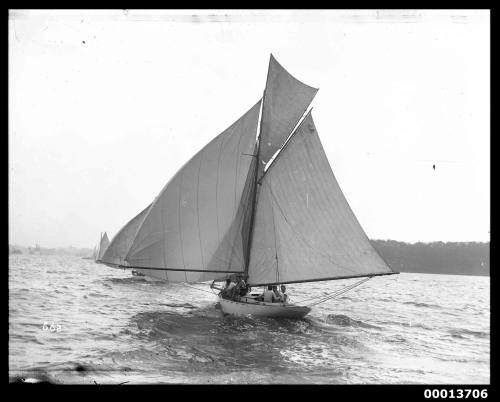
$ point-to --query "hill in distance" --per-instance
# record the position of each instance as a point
(464, 258)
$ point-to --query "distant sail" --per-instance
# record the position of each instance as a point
(118, 248)
(195, 230)
(285, 101)
(304, 228)
(103, 245)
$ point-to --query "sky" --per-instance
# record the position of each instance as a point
(106, 106)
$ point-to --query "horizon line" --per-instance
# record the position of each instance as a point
(385, 239)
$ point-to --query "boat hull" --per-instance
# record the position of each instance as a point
(261, 309)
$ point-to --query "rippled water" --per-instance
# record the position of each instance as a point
(111, 327)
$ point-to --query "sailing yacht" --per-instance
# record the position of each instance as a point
(103, 245)
(115, 253)
(260, 201)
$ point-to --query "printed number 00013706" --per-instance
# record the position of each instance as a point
(456, 393)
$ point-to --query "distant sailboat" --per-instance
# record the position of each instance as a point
(264, 207)
(117, 250)
(35, 250)
(103, 245)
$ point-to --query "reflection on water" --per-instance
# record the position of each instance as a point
(118, 328)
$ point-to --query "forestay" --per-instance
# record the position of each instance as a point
(118, 248)
(304, 228)
(197, 228)
(285, 101)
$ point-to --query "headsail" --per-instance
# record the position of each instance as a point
(285, 101)
(118, 248)
(304, 228)
(194, 231)
(103, 245)
(222, 214)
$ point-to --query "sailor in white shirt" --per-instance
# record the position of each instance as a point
(226, 291)
(230, 285)
(284, 296)
(269, 295)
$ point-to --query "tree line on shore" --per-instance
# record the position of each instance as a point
(454, 258)
(460, 258)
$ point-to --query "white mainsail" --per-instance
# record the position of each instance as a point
(120, 245)
(195, 230)
(304, 229)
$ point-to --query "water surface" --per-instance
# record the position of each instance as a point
(110, 327)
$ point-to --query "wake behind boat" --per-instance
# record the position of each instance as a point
(260, 201)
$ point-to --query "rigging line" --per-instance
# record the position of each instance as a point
(254, 194)
(179, 220)
(275, 243)
(334, 294)
(198, 210)
(262, 258)
(239, 220)
(236, 173)
(163, 252)
(194, 287)
(217, 190)
(245, 209)
(340, 292)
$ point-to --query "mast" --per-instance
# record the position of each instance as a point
(255, 190)
(293, 95)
